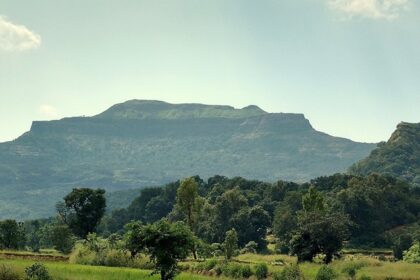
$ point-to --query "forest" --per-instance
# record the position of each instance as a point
(216, 221)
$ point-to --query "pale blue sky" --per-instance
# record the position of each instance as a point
(351, 66)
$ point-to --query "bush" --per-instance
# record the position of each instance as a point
(235, 270)
(245, 271)
(291, 272)
(351, 268)
(231, 270)
(6, 273)
(412, 255)
(37, 271)
(250, 247)
(210, 264)
(261, 271)
(326, 273)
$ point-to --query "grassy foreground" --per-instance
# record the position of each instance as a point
(66, 271)
(62, 270)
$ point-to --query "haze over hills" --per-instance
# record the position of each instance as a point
(144, 143)
(398, 157)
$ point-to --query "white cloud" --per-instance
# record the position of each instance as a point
(375, 9)
(48, 111)
(15, 37)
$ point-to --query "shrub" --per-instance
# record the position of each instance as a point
(210, 264)
(351, 268)
(412, 255)
(245, 271)
(37, 271)
(250, 247)
(6, 273)
(326, 273)
(231, 270)
(261, 271)
(291, 272)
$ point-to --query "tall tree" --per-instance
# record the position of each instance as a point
(231, 243)
(186, 199)
(82, 210)
(319, 230)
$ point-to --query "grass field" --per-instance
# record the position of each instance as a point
(66, 271)
(62, 270)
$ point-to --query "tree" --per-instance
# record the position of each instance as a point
(319, 230)
(165, 243)
(402, 243)
(231, 243)
(12, 234)
(82, 210)
(186, 199)
(61, 237)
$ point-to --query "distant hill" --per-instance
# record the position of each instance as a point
(399, 157)
(146, 143)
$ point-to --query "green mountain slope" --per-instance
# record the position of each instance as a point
(399, 157)
(146, 143)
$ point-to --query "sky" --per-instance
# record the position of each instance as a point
(351, 66)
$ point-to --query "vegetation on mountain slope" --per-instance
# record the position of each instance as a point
(147, 143)
(398, 157)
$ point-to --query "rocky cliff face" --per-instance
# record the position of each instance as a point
(143, 143)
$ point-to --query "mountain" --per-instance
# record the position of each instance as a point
(399, 157)
(145, 143)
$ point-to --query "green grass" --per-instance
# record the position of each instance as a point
(66, 271)
(374, 268)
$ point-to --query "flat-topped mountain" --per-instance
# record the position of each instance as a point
(142, 143)
(398, 157)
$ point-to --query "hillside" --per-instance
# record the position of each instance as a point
(399, 157)
(146, 143)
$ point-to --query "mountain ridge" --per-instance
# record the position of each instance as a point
(143, 143)
(398, 157)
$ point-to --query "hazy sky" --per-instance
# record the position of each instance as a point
(351, 66)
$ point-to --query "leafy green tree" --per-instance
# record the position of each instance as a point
(319, 230)
(165, 243)
(12, 234)
(186, 199)
(231, 243)
(82, 210)
(251, 225)
(61, 237)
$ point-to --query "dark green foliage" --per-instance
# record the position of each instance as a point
(290, 272)
(37, 271)
(12, 234)
(147, 143)
(165, 243)
(319, 230)
(326, 273)
(82, 210)
(7, 273)
(60, 236)
(401, 244)
(398, 157)
(261, 271)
